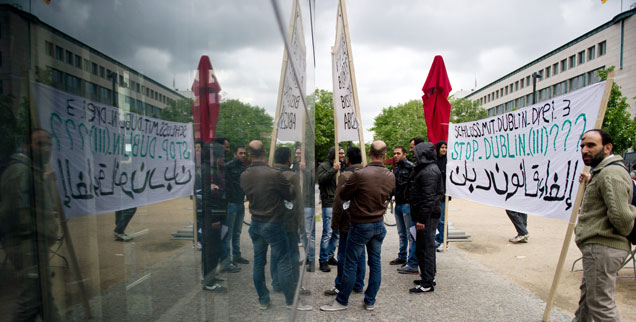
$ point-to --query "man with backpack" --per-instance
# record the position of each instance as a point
(605, 220)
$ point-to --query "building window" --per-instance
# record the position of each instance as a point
(577, 82)
(555, 69)
(547, 72)
(564, 65)
(510, 105)
(501, 92)
(520, 102)
(560, 88)
(121, 80)
(491, 111)
(516, 85)
(528, 80)
(592, 76)
(78, 61)
(102, 71)
(69, 57)
(49, 48)
(500, 109)
(529, 98)
(506, 90)
(544, 94)
(591, 53)
(57, 78)
(572, 61)
(137, 87)
(521, 82)
(540, 75)
(581, 57)
(87, 65)
(59, 53)
(602, 48)
(94, 68)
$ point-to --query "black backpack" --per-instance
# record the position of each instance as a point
(632, 235)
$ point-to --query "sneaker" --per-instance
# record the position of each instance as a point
(519, 239)
(335, 306)
(332, 261)
(263, 306)
(304, 291)
(408, 270)
(397, 261)
(230, 268)
(199, 246)
(300, 307)
(215, 288)
(369, 307)
(358, 291)
(419, 282)
(332, 291)
(422, 289)
(122, 237)
(240, 260)
(324, 267)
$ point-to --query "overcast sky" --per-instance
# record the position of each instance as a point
(393, 42)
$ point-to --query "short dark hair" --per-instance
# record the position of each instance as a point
(238, 147)
(417, 140)
(282, 155)
(354, 155)
(605, 137)
(221, 140)
(401, 148)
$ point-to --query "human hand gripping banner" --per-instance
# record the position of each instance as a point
(107, 159)
(526, 160)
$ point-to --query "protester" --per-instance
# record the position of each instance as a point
(520, 221)
(235, 205)
(412, 143)
(402, 172)
(340, 224)
(327, 173)
(266, 190)
(309, 240)
(425, 192)
(122, 218)
(606, 218)
(367, 190)
(441, 148)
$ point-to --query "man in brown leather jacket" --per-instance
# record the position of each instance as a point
(367, 190)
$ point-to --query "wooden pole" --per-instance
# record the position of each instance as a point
(352, 72)
(281, 84)
(445, 222)
(335, 120)
(577, 206)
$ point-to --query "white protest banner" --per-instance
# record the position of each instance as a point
(347, 121)
(108, 159)
(526, 160)
(291, 115)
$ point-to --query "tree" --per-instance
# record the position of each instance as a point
(241, 122)
(178, 111)
(324, 124)
(618, 122)
(397, 125)
(464, 110)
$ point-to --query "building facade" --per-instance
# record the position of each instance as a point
(569, 67)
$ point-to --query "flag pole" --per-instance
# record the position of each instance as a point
(577, 204)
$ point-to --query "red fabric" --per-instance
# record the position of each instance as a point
(435, 101)
(205, 108)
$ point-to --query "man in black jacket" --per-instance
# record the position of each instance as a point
(235, 205)
(402, 172)
(327, 173)
(425, 191)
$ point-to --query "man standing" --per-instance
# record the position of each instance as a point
(235, 205)
(267, 189)
(425, 192)
(412, 143)
(606, 217)
(367, 190)
(520, 221)
(340, 224)
(327, 173)
(402, 171)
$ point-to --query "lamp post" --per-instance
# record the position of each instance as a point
(535, 75)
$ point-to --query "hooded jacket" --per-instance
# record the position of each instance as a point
(402, 172)
(425, 185)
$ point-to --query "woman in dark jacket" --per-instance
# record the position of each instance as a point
(441, 148)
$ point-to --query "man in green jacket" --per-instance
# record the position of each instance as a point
(605, 219)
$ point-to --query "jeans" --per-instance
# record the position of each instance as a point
(425, 250)
(309, 237)
(265, 234)
(600, 266)
(370, 235)
(439, 238)
(361, 270)
(519, 220)
(294, 256)
(122, 218)
(404, 223)
(329, 238)
(235, 215)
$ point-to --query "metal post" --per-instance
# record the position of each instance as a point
(535, 75)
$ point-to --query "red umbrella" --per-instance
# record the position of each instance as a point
(435, 99)
(205, 108)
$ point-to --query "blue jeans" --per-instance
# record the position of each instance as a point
(404, 223)
(235, 215)
(309, 237)
(294, 257)
(370, 235)
(439, 238)
(271, 234)
(329, 238)
(362, 267)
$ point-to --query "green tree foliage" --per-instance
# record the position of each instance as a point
(178, 111)
(324, 124)
(396, 125)
(618, 121)
(464, 110)
(241, 122)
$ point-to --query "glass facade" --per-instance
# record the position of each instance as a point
(111, 208)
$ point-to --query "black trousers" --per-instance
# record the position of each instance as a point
(425, 251)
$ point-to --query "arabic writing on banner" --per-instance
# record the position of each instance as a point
(292, 114)
(108, 159)
(343, 102)
(526, 160)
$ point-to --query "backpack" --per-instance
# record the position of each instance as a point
(632, 235)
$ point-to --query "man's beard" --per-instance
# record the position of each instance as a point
(596, 159)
